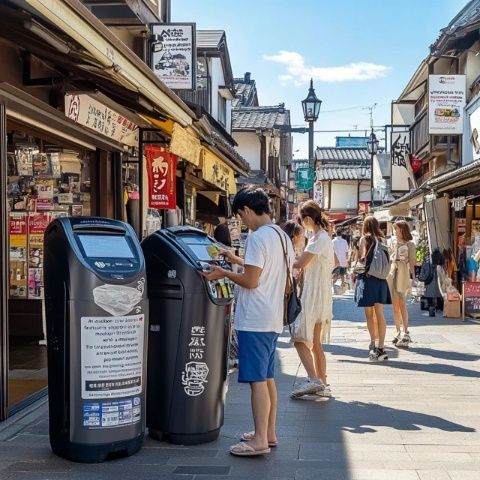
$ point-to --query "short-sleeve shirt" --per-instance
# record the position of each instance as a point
(260, 309)
(340, 246)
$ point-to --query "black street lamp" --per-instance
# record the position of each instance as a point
(311, 109)
(372, 148)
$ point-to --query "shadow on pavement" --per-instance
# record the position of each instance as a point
(436, 368)
(445, 354)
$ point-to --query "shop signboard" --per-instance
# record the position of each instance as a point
(318, 193)
(93, 114)
(173, 54)
(401, 176)
(471, 299)
(162, 176)
(446, 96)
(217, 173)
(475, 133)
(304, 179)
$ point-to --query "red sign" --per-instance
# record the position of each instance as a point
(471, 289)
(162, 174)
(363, 207)
(17, 224)
(38, 222)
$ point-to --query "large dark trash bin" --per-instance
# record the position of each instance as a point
(188, 337)
(97, 322)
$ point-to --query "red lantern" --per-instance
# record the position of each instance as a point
(415, 163)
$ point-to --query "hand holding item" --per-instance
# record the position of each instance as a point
(215, 274)
(227, 254)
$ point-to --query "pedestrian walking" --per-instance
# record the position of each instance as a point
(403, 257)
(340, 247)
(372, 293)
(431, 273)
(259, 313)
(312, 327)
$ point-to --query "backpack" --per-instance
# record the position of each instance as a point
(380, 264)
(426, 272)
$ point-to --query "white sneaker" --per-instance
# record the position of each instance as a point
(308, 387)
(404, 342)
(326, 391)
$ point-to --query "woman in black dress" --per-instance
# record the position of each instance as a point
(372, 293)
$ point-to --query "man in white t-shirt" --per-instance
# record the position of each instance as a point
(340, 247)
(259, 313)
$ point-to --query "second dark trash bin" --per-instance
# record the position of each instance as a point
(188, 337)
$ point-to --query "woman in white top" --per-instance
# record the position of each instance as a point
(312, 327)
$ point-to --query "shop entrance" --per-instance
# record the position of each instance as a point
(45, 180)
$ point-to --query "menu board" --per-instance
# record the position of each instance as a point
(471, 299)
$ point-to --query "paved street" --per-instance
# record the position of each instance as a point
(414, 417)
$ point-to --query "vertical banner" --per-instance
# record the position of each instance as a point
(446, 96)
(402, 177)
(162, 175)
(173, 54)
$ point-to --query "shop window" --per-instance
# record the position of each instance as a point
(44, 182)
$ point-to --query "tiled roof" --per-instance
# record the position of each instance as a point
(245, 93)
(341, 173)
(209, 38)
(258, 118)
(330, 154)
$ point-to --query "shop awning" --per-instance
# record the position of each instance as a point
(460, 177)
(118, 61)
(30, 111)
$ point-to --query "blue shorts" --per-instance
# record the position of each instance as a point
(256, 356)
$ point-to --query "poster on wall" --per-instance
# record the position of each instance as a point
(162, 176)
(402, 177)
(17, 228)
(446, 95)
(173, 54)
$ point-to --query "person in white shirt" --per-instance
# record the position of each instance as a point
(340, 247)
(259, 313)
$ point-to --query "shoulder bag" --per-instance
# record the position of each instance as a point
(292, 305)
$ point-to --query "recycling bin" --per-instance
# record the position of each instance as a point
(97, 316)
(188, 338)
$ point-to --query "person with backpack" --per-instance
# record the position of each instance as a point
(430, 273)
(372, 291)
(403, 267)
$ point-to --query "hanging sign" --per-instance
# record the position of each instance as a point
(304, 178)
(401, 177)
(173, 54)
(459, 203)
(162, 175)
(446, 95)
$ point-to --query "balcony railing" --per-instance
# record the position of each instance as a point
(419, 133)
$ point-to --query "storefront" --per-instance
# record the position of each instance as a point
(50, 167)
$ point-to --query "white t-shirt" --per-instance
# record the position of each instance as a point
(340, 246)
(261, 309)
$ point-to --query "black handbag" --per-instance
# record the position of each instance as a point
(292, 305)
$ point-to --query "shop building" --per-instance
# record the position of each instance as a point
(76, 109)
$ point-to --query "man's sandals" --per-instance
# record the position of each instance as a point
(248, 436)
(244, 449)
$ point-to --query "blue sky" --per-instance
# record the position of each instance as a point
(360, 52)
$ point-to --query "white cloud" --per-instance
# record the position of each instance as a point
(299, 73)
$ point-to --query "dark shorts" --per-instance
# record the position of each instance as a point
(256, 356)
(371, 290)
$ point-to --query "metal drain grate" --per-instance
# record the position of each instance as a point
(201, 470)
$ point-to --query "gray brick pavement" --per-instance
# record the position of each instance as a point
(415, 417)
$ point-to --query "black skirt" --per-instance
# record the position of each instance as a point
(371, 290)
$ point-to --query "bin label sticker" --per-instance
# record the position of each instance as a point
(195, 373)
(112, 356)
(112, 414)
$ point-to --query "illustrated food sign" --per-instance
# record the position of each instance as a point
(173, 54)
(471, 298)
(446, 104)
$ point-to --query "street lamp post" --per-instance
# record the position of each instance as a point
(311, 109)
(372, 148)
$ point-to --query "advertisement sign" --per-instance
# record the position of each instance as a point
(471, 298)
(318, 193)
(475, 129)
(446, 104)
(162, 174)
(304, 179)
(402, 177)
(93, 114)
(173, 54)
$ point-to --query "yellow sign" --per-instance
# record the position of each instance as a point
(185, 144)
(216, 172)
